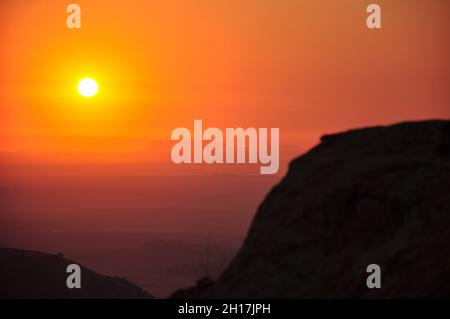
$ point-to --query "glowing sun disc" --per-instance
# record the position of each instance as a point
(87, 87)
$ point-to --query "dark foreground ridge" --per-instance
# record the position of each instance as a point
(377, 195)
(29, 274)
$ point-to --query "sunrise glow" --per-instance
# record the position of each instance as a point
(87, 87)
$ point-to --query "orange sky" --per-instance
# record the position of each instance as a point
(308, 67)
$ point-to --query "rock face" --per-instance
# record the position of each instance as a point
(379, 195)
(35, 275)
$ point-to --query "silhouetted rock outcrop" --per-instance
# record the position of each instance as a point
(377, 195)
(203, 284)
(29, 274)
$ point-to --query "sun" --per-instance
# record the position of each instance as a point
(87, 87)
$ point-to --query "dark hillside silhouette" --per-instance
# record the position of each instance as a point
(29, 274)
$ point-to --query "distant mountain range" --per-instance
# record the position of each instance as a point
(369, 196)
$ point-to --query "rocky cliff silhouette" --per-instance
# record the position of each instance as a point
(35, 275)
(378, 195)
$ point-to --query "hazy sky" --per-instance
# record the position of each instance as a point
(308, 67)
